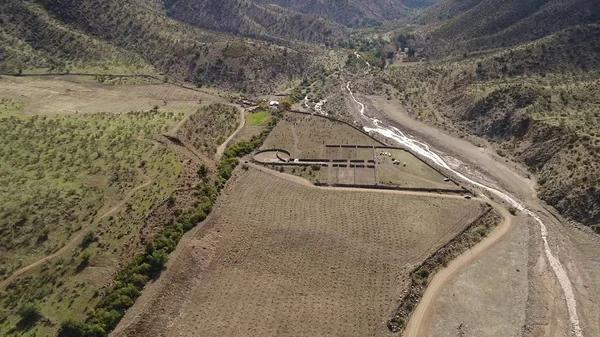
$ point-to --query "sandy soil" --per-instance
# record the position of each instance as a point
(80, 94)
(495, 283)
(279, 258)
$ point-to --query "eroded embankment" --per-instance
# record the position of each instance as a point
(422, 274)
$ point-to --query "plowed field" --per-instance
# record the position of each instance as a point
(278, 258)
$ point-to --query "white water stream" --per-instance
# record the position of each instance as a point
(423, 150)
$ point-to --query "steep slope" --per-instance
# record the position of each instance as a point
(537, 102)
(121, 36)
(352, 13)
(482, 24)
(263, 21)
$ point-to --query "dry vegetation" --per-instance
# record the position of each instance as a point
(209, 127)
(305, 136)
(537, 103)
(88, 94)
(279, 258)
(123, 37)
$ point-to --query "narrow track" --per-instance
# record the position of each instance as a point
(221, 149)
(79, 236)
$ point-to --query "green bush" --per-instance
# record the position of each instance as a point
(422, 273)
(88, 239)
(71, 328)
(29, 312)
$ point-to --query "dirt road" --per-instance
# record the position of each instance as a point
(478, 165)
(302, 181)
(79, 236)
(221, 149)
(420, 318)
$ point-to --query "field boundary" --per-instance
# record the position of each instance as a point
(394, 188)
(171, 81)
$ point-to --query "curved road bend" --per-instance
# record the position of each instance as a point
(420, 318)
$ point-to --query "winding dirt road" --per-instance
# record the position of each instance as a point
(147, 181)
(527, 203)
(79, 236)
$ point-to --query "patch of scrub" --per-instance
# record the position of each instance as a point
(258, 118)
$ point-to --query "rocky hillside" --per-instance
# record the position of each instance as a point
(472, 25)
(538, 102)
(352, 13)
(134, 36)
(257, 20)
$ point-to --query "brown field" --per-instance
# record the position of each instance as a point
(306, 136)
(53, 95)
(247, 133)
(282, 258)
(412, 172)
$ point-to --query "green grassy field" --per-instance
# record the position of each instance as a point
(61, 174)
(258, 118)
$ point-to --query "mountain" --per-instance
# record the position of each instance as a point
(257, 20)
(351, 13)
(523, 75)
(472, 25)
(136, 36)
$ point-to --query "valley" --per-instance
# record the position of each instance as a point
(299, 168)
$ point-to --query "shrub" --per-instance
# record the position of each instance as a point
(422, 273)
(71, 328)
(512, 210)
(88, 239)
(29, 312)
(132, 279)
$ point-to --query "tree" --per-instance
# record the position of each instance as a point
(203, 171)
(29, 312)
(72, 328)
(88, 239)
(286, 104)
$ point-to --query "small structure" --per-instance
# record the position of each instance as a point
(274, 103)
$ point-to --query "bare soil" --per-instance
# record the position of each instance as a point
(305, 136)
(50, 95)
(280, 258)
(497, 286)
